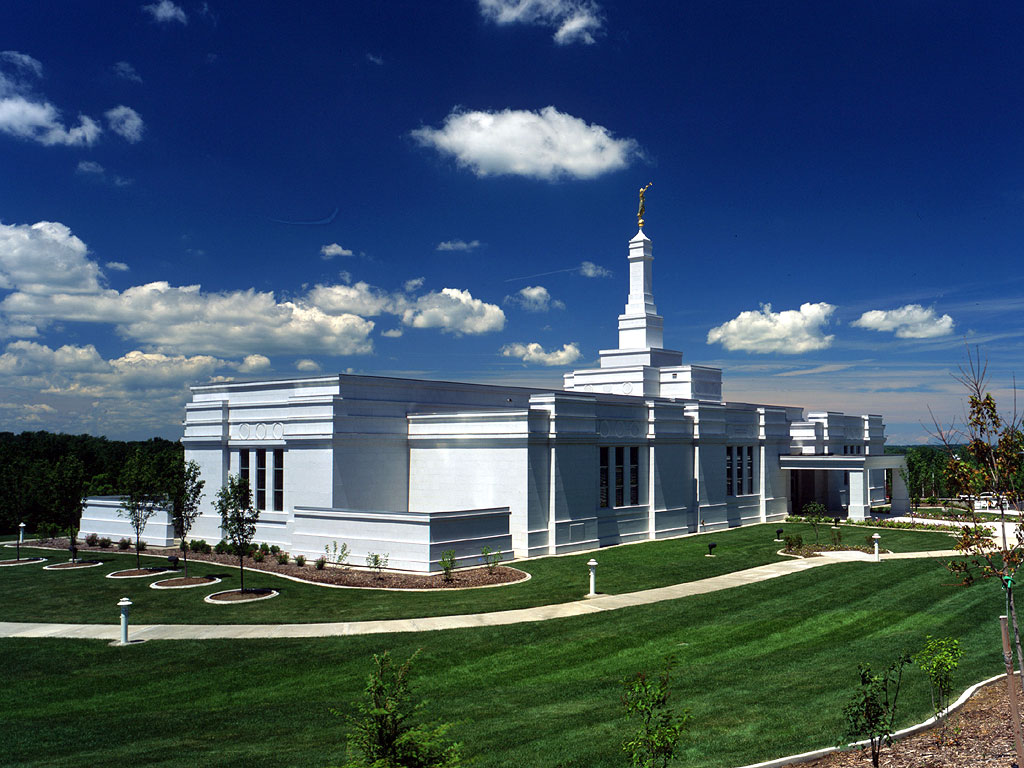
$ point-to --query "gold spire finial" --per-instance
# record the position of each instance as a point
(640, 211)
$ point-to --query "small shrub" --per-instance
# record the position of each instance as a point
(794, 542)
(198, 545)
(490, 558)
(123, 544)
(447, 563)
(46, 531)
(335, 554)
(282, 558)
(377, 561)
(274, 549)
(660, 726)
(93, 539)
(105, 543)
(265, 548)
(141, 546)
(837, 537)
(939, 659)
(300, 560)
(221, 547)
(320, 563)
(871, 712)
(257, 556)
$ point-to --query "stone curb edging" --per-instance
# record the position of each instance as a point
(209, 598)
(67, 566)
(806, 757)
(26, 561)
(396, 589)
(158, 584)
(113, 574)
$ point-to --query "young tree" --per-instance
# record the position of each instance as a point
(939, 659)
(185, 493)
(385, 733)
(660, 727)
(142, 495)
(237, 518)
(871, 712)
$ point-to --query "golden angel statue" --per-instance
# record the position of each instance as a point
(642, 209)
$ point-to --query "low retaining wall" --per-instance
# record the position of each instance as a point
(102, 516)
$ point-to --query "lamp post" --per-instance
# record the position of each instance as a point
(21, 537)
(592, 564)
(875, 537)
(124, 604)
(711, 549)
(778, 534)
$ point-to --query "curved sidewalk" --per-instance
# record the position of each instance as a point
(597, 604)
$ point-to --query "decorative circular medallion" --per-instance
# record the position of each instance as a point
(620, 429)
(278, 431)
(261, 431)
(605, 429)
(635, 429)
(243, 431)
(627, 388)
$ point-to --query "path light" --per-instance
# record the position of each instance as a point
(124, 605)
(593, 577)
(835, 522)
(875, 538)
(21, 537)
(711, 547)
(778, 534)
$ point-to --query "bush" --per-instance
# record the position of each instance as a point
(199, 545)
(141, 547)
(47, 531)
(335, 554)
(447, 563)
(105, 543)
(939, 659)
(300, 560)
(274, 549)
(321, 563)
(265, 548)
(837, 537)
(257, 556)
(794, 542)
(871, 712)
(93, 539)
(660, 727)
(124, 544)
(282, 558)
(377, 561)
(490, 558)
(221, 548)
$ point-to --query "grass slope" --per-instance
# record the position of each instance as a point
(85, 596)
(764, 668)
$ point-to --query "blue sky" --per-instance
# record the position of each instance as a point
(446, 189)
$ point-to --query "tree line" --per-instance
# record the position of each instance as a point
(44, 475)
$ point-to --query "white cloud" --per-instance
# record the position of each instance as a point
(126, 123)
(358, 299)
(547, 144)
(90, 166)
(909, 322)
(534, 353)
(454, 311)
(45, 258)
(413, 285)
(457, 245)
(534, 298)
(23, 61)
(40, 121)
(126, 71)
(117, 266)
(590, 269)
(374, 59)
(253, 363)
(166, 11)
(574, 21)
(310, 366)
(328, 252)
(790, 331)
(392, 333)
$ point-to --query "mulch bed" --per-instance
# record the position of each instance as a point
(79, 564)
(236, 596)
(977, 736)
(346, 577)
(191, 581)
(136, 572)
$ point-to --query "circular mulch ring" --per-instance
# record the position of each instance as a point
(182, 583)
(23, 561)
(137, 573)
(69, 566)
(234, 597)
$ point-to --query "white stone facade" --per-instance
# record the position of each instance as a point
(642, 447)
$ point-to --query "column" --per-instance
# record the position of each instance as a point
(900, 496)
(860, 503)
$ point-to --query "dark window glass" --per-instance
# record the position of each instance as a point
(750, 469)
(728, 470)
(243, 464)
(602, 500)
(261, 479)
(619, 477)
(634, 475)
(278, 480)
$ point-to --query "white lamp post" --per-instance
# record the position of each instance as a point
(593, 577)
(124, 604)
(875, 538)
(21, 537)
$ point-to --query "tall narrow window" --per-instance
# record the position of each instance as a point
(261, 479)
(243, 464)
(750, 469)
(620, 472)
(278, 480)
(602, 500)
(634, 475)
(728, 471)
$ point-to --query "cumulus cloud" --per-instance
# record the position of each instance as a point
(165, 11)
(534, 298)
(534, 353)
(253, 363)
(328, 252)
(23, 62)
(790, 331)
(454, 311)
(590, 269)
(457, 245)
(90, 166)
(392, 333)
(546, 144)
(126, 123)
(309, 366)
(574, 21)
(44, 259)
(911, 321)
(126, 71)
(117, 266)
(413, 285)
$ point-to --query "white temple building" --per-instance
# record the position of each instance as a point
(642, 447)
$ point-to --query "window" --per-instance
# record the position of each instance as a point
(729, 491)
(625, 482)
(750, 469)
(243, 464)
(261, 479)
(278, 480)
(739, 470)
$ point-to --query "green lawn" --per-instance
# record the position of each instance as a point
(85, 596)
(764, 668)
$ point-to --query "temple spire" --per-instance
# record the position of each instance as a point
(643, 208)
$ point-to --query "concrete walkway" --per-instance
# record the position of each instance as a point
(497, 618)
